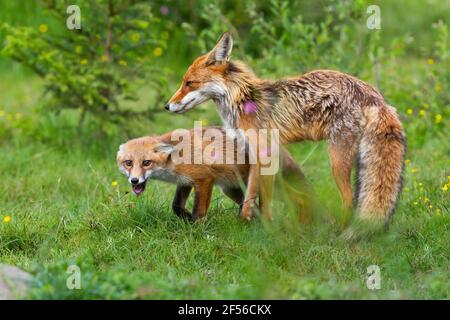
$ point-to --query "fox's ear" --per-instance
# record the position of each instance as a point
(222, 50)
(121, 151)
(164, 148)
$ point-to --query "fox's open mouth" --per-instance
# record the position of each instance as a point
(139, 188)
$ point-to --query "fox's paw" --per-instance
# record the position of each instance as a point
(248, 210)
(183, 214)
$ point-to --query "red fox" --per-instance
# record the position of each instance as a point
(151, 158)
(320, 105)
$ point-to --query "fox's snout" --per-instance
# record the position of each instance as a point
(136, 179)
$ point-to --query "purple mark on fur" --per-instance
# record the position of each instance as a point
(249, 107)
(264, 152)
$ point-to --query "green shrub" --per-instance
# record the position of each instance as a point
(97, 67)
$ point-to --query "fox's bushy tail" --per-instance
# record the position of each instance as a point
(380, 164)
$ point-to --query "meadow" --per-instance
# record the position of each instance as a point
(63, 201)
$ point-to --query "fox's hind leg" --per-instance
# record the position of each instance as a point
(179, 201)
(342, 155)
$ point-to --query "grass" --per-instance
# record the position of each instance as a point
(64, 210)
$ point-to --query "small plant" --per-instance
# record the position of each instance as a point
(91, 69)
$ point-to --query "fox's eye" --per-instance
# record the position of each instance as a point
(128, 163)
(146, 163)
(189, 83)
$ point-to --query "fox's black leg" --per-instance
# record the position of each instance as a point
(235, 194)
(179, 202)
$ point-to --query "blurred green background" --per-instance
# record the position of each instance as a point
(70, 97)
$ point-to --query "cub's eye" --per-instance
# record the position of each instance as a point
(189, 83)
(146, 163)
(128, 163)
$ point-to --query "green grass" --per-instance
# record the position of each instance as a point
(56, 186)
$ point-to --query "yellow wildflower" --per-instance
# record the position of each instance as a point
(430, 61)
(416, 203)
(157, 52)
(84, 61)
(9, 117)
(407, 161)
(422, 113)
(409, 111)
(445, 188)
(43, 28)
(430, 206)
(7, 219)
(2, 113)
(438, 88)
(78, 49)
(426, 105)
(414, 170)
(104, 58)
(438, 118)
(135, 37)
(426, 200)
(114, 184)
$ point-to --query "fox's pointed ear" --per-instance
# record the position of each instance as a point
(222, 50)
(121, 151)
(164, 148)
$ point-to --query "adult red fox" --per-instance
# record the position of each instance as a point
(152, 157)
(320, 105)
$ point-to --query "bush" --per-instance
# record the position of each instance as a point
(95, 68)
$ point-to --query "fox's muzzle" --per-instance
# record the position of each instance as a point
(137, 184)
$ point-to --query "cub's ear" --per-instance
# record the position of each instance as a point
(121, 151)
(164, 148)
(222, 50)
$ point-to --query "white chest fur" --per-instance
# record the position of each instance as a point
(166, 175)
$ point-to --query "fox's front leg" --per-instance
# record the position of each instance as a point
(251, 193)
(179, 201)
(203, 191)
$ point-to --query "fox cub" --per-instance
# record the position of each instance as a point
(150, 157)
